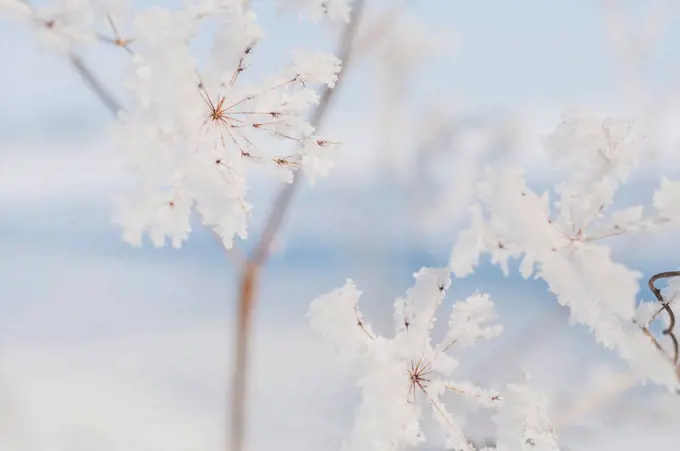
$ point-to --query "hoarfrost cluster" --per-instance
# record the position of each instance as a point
(408, 375)
(562, 243)
(192, 130)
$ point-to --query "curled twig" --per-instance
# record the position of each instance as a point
(665, 306)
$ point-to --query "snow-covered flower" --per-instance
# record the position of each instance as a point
(316, 67)
(561, 244)
(194, 130)
(405, 373)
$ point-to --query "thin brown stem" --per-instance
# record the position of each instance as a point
(247, 293)
(460, 391)
(260, 254)
(113, 26)
(651, 337)
(361, 324)
(448, 346)
(283, 199)
(258, 113)
(619, 231)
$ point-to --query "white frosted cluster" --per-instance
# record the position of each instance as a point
(469, 320)
(667, 199)
(390, 414)
(316, 67)
(59, 25)
(335, 316)
(523, 422)
(194, 131)
(562, 244)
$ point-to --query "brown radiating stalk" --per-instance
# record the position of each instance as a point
(258, 258)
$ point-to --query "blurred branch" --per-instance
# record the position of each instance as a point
(366, 41)
(93, 82)
(635, 44)
(258, 258)
(283, 199)
(96, 86)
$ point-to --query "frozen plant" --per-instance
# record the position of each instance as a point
(193, 131)
(402, 375)
(561, 243)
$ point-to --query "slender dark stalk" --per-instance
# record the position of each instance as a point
(666, 307)
(244, 318)
(283, 199)
(260, 254)
(96, 86)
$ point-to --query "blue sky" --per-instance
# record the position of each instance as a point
(97, 337)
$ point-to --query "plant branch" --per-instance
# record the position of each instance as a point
(666, 306)
(260, 254)
(283, 199)
(96, 85)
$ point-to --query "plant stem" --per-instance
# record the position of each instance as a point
(260, 254)
(96, 86)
